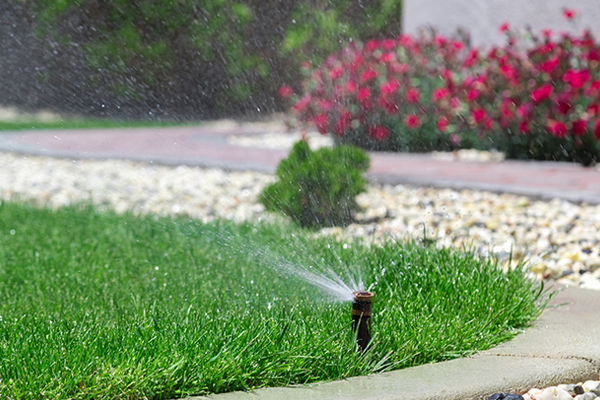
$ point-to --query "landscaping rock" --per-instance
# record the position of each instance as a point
(555, 393)
(505, 396)
(586, 396)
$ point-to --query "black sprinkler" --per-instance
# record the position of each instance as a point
(361, 318)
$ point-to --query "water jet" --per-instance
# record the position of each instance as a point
(361, 317)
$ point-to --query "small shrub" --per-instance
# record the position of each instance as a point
(318, 188)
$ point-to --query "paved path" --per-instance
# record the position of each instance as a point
(207, 146)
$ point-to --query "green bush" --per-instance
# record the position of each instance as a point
(318, 188)
(235, 54)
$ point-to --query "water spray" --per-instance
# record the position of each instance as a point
(361, 317)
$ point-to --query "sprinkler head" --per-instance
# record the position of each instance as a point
(361, 317)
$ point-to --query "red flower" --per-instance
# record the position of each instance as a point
(597, 129)
(335, 72)
(579, 127)
(406, 40)
(387, 58)
(363, 96)
(413, 96)
(343, 123)
(301, 104)
(506, 109)
(569, 14)
(546, 33)
(549, 65)
(546, 48)
(504, 27)
(320, 122)
(556, 128)
(576, 78)
(454, 103)
(524, 126)
(368, 75)
(399, 68)
(439, 94)
(478, 115)
(593, 55)
(439, 40)
(325, 105)
(378, 132)
(285, 92)
(488, 124)
(388, 44)
(442, 124)
(592, 109)
(541, 93)
(371, 45)
(473, 94)
(390, 87)
(350, 86)
(412, 121)
(457, 45)
(356, 62)
(508, 71)
(387, 104)
(525, 110)
(562, 103)
(471, 58)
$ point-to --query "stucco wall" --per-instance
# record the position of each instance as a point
(483, 17)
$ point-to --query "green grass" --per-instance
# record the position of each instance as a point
(79, 123)
(95, 305)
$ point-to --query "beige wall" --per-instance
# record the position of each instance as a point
(482, 17)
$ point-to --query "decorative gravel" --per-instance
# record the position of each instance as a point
(559, 239)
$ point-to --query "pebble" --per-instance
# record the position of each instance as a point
(505, 396)
(579, 391)
(555, 393)
(586, 396)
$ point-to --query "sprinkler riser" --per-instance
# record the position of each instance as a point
(361, 318)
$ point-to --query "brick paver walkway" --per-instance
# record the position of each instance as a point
(207, 146)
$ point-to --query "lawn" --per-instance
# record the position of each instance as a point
(79, 123)
(96, 305)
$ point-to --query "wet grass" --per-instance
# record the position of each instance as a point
(80, 123)
(95, 305)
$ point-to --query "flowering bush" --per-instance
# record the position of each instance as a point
(535, 101)
(537, 98)
(377, 95)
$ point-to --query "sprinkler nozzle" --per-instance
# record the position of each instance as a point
(361, 317)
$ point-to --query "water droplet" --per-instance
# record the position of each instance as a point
(12, 231)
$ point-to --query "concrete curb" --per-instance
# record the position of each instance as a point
(563, 346)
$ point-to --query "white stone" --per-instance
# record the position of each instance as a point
(535, 394)
(555, 393)
(593, 284)
(586, 396)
